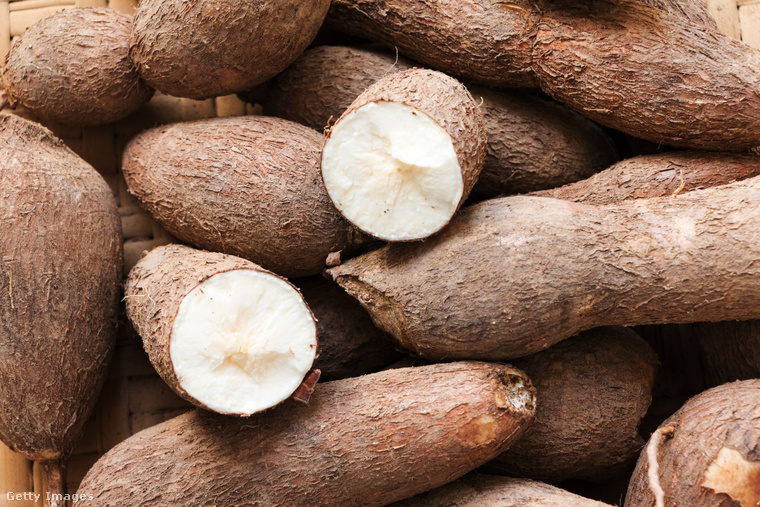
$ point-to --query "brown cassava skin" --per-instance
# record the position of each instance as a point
(479, 490)
(59, 291)
(649, 74)
(211, 48)
(447, 102)
(408, 430)
(695, 11)
(349, 343)
(535, 144)
(487, 41)
(511, 276)
(658, 175)
(156, 287)
(324, 81)
(691, 468)
(729, 350)
(248, 186)
(72, 68)
(593, 391)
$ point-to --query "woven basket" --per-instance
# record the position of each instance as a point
(134, 397)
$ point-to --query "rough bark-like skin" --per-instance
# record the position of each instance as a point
(593, 390)
(535, 144)
(640, 70)
(61, 254)
(209, 48)
(658, 175)
(485, 41)
(511, 276)
(156, 287)
(695, 11)
(478, 490)
(722, 419)
(72, 68)
(325, 80)
(730, 350)
(349, 343)
(366, 441)
(247, 186)
(447, 102)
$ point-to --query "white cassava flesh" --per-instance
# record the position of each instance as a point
(405, 155)
(392, 171)
(242, 341)
(224, 333)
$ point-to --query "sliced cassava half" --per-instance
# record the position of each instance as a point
(225, 334)
(480, 490)
(594, 389)
(60, 258)
(705, 454)
(511, 276)
(72, 67)
(367, 441)
(248, 186)
(209, 48)
(405, 155)
(659, 175)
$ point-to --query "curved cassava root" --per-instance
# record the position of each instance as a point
(511, 276)
(73, 68)
(644, 70)
(705, 454)
(594, 389)
(409, 430)
(223, 333)
(658, 175)
(247, 186)
(211, 48)
(479, 490)
(59, 289)
(405, 155)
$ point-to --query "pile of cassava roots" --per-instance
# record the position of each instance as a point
(471, 253)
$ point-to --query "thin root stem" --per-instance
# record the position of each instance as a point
(653, 473)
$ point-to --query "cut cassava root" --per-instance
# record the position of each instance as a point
(73, 68)
(511, 276)
(61, 255)
(409, 430)
(212, 48)
(225, 334)
(247, 186)
(705, 454)
(405, 155)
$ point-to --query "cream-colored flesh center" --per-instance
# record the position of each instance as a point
(392, 171)
(242, 341)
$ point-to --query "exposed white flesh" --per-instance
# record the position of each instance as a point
(242, 341)
(392, 171)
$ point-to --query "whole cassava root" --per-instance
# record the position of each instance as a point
(72, 67)
(511, 276)
(222, 332)
(213, 48)
(486, 42)
(658, 175)
(532, 143)
(593, 389)
(634, 68)
(59, 289)
(349, 343)
(410, 430)
(705, 454)
(479, 490)
(405, 155)
(247, 186)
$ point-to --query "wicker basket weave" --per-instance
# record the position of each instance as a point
(134, 397)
